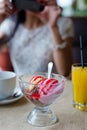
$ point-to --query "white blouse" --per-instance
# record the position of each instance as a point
(31, 50)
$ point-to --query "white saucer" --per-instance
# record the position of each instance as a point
(16, 96)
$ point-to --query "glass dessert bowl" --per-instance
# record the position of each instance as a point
(42, 92)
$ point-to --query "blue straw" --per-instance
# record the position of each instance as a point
(81, 52)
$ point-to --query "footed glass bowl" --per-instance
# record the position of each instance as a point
(42, 92)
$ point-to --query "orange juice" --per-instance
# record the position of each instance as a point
(79, 81)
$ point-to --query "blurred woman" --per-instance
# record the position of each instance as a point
(37, 38)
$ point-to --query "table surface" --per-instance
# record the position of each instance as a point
(14, 116)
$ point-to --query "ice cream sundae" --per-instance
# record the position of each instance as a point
(43, 91)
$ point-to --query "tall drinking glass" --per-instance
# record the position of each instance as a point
(79, 81)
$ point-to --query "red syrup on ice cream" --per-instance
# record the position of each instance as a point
(40, 85)
(43, 91)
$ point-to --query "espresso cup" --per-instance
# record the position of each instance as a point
(7, 84)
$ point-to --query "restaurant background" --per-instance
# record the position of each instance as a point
(77, 11)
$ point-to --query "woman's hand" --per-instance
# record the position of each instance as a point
(50, 15)
(6, 9)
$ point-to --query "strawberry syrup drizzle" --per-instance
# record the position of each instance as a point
(44, 85)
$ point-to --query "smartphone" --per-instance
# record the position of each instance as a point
(31, 5)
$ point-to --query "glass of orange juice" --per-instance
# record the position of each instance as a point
(79, 81)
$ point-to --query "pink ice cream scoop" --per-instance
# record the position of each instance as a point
(44, 90)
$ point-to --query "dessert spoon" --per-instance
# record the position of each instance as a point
(50, 66)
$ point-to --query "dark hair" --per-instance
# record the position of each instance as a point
(21, 19)
(21, 16)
